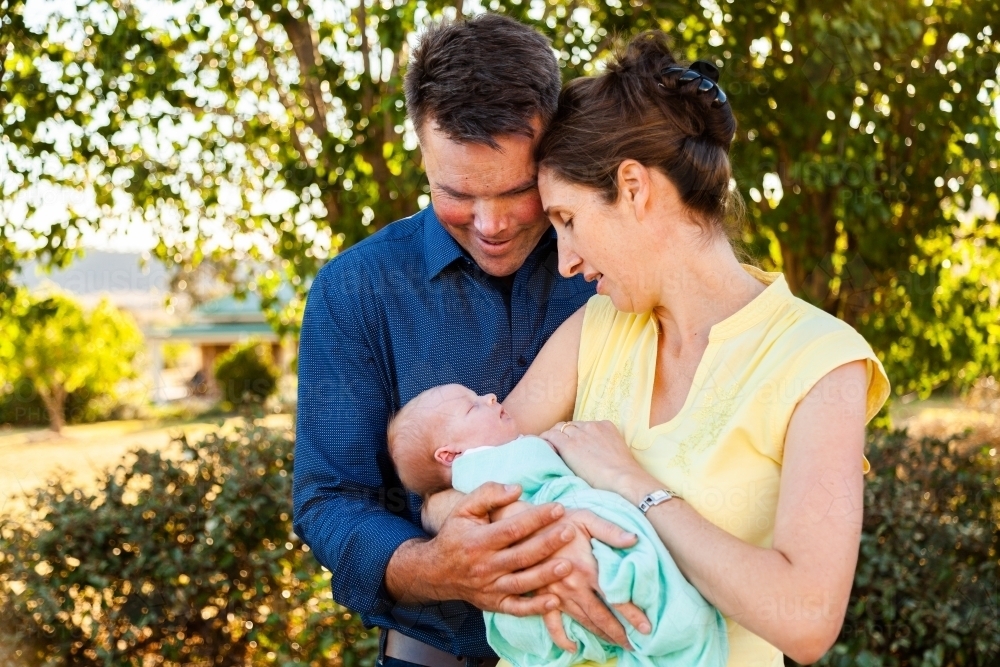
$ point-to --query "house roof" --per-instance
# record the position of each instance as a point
(223, 320)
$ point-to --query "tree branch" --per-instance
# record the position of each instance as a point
(272, 76)
(300, 34)
(367, 82)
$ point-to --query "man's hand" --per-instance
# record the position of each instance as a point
(542, 549)
(492, 566)
(579, 593)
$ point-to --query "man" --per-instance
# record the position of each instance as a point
(465, 291)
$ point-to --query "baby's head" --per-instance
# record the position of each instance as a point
(437, 426)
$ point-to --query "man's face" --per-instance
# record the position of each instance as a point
(486, 198)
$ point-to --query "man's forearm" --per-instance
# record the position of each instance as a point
(406, 577)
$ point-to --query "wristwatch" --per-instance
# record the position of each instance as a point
(655, 498)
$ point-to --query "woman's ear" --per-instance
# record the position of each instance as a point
(634, 186)
(446, 455)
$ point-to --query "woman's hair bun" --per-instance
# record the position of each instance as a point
(647, 66)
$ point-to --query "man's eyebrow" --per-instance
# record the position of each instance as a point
(516, 190)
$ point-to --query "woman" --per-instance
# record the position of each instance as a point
(692, 373)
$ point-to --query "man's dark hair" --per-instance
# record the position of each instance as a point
(481, 78)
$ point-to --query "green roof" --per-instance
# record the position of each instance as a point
(216, 328)
(230, 305)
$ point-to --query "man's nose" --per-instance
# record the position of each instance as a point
(490, 218)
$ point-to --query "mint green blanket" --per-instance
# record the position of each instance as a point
(687, 630)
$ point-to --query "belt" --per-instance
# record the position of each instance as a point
(401, 647)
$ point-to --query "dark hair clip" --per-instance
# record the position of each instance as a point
(703, 70)
(706, 68)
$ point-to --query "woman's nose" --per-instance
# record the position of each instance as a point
(569, 261)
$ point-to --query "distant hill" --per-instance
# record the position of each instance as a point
(100, 272)
(121, 277)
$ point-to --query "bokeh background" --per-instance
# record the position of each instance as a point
(174, 174)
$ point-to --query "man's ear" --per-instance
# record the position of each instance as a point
(446, 455)
(634, 186)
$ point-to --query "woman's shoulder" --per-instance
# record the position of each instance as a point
(806, 323)
(806, 343)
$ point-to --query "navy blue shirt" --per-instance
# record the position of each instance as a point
(404, 310)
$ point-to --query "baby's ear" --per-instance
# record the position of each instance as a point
(446, 455)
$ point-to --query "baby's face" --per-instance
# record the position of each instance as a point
(471, 421)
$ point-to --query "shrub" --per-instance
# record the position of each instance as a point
(191, 561)
(927, 588)
(178, 560)
(246, 373)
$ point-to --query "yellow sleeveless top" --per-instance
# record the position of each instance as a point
(722, 452)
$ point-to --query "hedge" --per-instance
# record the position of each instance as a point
(185, 560)
(927, 589)
(190, 560)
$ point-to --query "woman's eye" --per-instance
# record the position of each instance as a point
(568, 223)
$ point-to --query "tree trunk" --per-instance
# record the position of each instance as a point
(55, 405)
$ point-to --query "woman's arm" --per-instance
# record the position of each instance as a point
(795, 593)
(547, 392)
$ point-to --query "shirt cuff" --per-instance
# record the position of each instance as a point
(371, 546)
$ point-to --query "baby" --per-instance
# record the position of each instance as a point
(449, 437)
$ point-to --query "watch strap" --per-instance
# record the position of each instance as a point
(655, 498)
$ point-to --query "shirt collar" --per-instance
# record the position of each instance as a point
(441, 249)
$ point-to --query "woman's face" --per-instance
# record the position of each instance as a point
(602, 241)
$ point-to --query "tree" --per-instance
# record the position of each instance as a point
(57, 346)
(866, 133)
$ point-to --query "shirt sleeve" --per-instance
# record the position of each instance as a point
(343, 507)
(810, 365)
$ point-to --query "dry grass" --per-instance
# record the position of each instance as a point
(31, 457)
(977, 418)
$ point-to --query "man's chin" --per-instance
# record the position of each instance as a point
(500, 266)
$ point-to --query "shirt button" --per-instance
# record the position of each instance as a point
(521, 361)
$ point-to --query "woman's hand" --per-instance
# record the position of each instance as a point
(596, 452)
